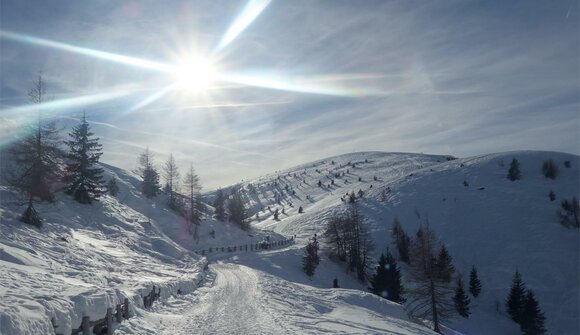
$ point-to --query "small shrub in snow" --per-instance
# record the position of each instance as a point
(550, 169)
(514, 170)
(112, 187)
(552, 195)
(335, 283)
(570, 213)
(567, 164)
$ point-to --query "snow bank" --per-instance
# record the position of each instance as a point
(87, 258)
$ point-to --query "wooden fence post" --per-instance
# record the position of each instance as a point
(85, 325)
(109, 321)
(119, 314)
(126, 309)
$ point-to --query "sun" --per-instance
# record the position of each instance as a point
(194, 74)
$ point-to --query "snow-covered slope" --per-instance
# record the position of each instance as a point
(86, 258)
(493, 223)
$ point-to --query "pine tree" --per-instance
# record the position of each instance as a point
(194, 205)
(515, 300)
(276, 214)
(85, 181)
(310, 259)
(219, 205)
(430, 295)
(300, 210)
(237, 211)
(461, 300)
(148, 173)
(532, 319)
(402, 241)
(474, 283)
(445, 264)
(514, 170)
(335, 283)
(36, 158)
(386, 282)
(112, 187)
(171, 175)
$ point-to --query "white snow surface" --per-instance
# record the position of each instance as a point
(243, 294)
(86, 258)
(121, 246)
(496, 224)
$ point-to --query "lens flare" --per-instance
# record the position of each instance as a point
(250, 12)
(127, 60)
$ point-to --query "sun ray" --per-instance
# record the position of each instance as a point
(250, 12)
(127, 60)
(325, 85)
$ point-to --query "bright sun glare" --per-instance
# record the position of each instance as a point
(194, 74)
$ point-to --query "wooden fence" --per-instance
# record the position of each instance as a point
(247, 247)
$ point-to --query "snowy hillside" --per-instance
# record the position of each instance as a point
(86, 258)
(493, 223)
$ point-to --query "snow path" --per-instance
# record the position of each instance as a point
(233, 305)
(237, 297)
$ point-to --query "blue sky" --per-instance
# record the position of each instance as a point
(304, 80)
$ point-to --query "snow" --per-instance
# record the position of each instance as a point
(241, 299)
(504, 226)
(87, 258)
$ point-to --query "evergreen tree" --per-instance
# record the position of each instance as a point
(36, 158)
(112, 187)
(237, 211)
(310, 259)
(402, 241)
(219, 205)
(461, 300)
(550, 169)
(148, 173)
(335, 283)
(514, 170)
(474, 283)
(194, 206)
(430, 294)
(85, 181)
(276, 214)
(569, 215)
(515, 300)
(171, 175)
(445, 264)
(386, 282)
(532, 320)
(300, 210)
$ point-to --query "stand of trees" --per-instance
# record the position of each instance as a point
(237, 210)
(386, 281)
(524, 309)
(349, 240)
(430, 273)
